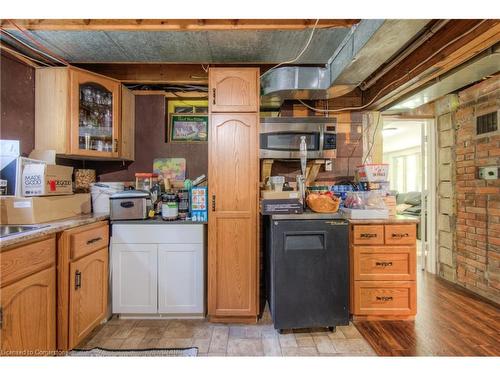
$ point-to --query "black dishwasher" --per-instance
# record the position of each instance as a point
(307, 273)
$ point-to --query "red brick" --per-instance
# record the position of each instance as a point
(488, 190)
(476, 210)
(495, 152)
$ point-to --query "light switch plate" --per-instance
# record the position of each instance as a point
(328, 165)
(488, 173)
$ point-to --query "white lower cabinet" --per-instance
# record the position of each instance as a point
(180, 269)
(158, 271)
(134, 277)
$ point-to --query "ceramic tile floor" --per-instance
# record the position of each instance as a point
(214, 339)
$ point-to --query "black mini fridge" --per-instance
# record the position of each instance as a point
(307, 272)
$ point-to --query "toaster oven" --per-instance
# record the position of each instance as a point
(129, 205)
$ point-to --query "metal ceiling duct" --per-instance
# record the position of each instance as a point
(367, 46)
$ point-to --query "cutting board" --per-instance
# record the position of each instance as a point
(172, 168)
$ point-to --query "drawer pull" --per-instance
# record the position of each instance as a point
(383, 264)
(400, 235)
(93, 240)
(368, 235)
(383, 298)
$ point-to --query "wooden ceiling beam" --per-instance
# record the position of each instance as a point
(174, 24)
(456, 44)
(192, 74)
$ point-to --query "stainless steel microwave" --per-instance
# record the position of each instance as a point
(280, 137)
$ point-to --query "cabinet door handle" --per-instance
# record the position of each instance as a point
(90, 242)
(383, 264)
(384, 298)
(368, 235)
(1, 317)
(213, 96)
(400, 235)
(213, 202)
(115, 145)
(78, 280)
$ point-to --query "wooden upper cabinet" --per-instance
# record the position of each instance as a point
(95, 115)
(79, 114)
(88, 294)
(127, 150)
(233, 89)
(232, 249)
(29, 315)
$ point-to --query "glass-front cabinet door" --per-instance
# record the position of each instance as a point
(94, 115)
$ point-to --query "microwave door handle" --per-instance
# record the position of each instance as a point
(321, 141)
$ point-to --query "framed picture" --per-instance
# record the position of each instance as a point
(188, 128)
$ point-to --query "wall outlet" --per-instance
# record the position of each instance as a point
(328, 165)
(488, 173)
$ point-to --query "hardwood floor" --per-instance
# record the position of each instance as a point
(450, 322)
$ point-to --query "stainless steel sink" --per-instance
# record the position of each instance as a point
(10, 230)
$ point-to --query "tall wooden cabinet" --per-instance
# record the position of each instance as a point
(28, 299)
(233, 190)
(79, 114)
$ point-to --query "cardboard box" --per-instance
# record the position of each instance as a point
(35, 210)
(271, 194)
(43, 179)
(12, 171)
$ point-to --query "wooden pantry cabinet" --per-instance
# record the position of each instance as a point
(233, 90)
(83, 115)
(82, 297)
(383, 271)
(233, 190)
(28, 298)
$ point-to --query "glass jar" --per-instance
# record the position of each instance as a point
(170, 206)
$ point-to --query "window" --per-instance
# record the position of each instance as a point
(406, 173)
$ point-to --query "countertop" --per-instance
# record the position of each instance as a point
(52, 227)
(310, 215)
(157, 220)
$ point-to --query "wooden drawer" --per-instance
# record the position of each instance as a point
(368, 234)
(385, 298)
(384, 263)
(27, 259)
(88, 240)
(405, 234)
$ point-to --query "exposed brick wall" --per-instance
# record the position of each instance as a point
(477, 201)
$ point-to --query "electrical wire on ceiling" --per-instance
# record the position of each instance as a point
(299, 55)
(396, 80)
(48, 53)
(22, 55)
(37, 52)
